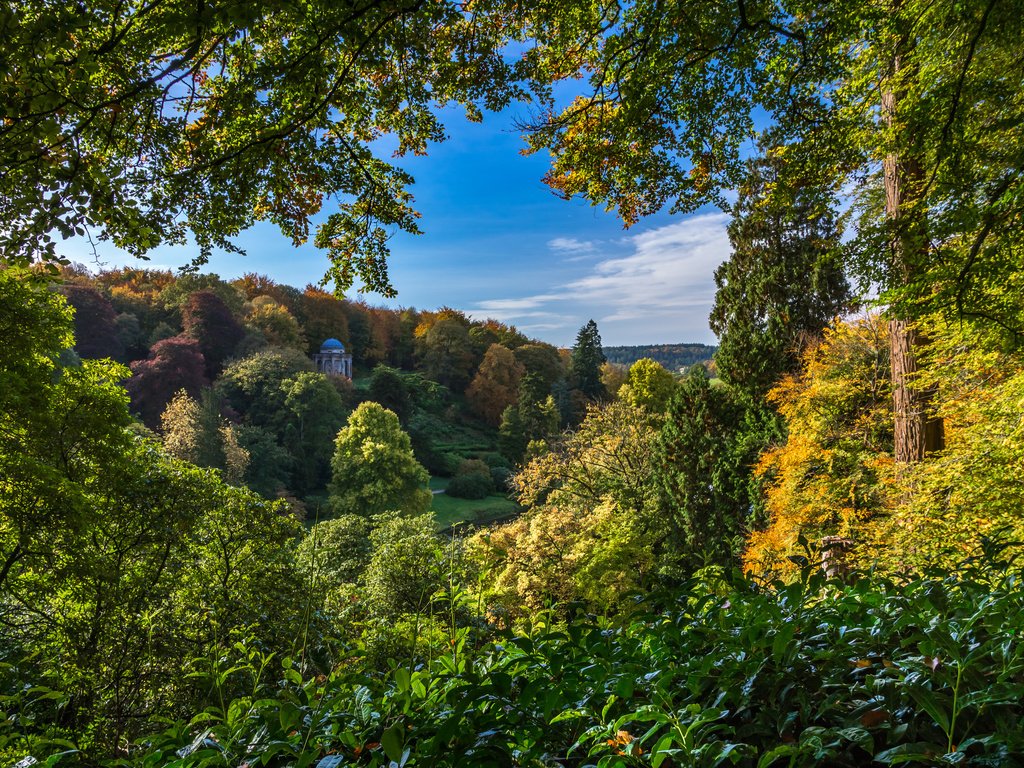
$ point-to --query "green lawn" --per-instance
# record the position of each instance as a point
(450, 510)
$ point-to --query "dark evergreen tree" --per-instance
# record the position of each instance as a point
(703, 466)
(783, 283)
(96, 331)
(206, 318)
(587, 359)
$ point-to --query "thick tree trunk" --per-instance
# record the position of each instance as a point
(915, 433)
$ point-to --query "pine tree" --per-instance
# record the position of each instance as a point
(783, 283)
(587, 359)
(702, 473)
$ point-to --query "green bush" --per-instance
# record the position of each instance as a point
(500, 478)
(929, 672)
(472, 486)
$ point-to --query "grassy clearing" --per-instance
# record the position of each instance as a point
(450, 510)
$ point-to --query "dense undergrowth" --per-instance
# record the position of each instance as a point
(928, 671)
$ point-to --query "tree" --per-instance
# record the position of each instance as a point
(253, 387)
(702, 474)
(543, 362)
(107, 545)
(176, 294)
(648, 387)
(90, 144)
(321, 316)
(496, 384)
(96, 331)
(782, 284)
(207, 319)
(275, 323)
(587, 359)
(446, 352)
(334, 554)
(197, 433)
(591, 528)
(910, 104)
(388, 387)
(407, 566)
(173, 364)
(374, 470)
(312, 415)
(526, 422)
(833, 474)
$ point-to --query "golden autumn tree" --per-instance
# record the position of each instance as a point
(833, 474)
(971, 490)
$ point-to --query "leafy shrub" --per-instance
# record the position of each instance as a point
(500, 478)
(811, 673)
(472, 486)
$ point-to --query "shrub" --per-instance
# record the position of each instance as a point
(471, 486)
(500, 478)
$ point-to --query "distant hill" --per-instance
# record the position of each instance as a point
(671, 356)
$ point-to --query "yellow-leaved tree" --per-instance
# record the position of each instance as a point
(973, 488)
(833, 474)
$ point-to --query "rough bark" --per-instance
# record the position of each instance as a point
(915, 433)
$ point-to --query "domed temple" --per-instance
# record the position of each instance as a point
(333, 359)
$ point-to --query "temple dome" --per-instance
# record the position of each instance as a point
(332, 345)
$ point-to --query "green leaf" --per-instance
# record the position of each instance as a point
(930, 703)
(392, 740)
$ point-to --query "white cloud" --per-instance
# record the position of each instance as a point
(661, 291)
(671, 271)
(571, 246)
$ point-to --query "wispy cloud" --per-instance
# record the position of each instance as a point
(671, 270)
(571, 246)
(663, 289)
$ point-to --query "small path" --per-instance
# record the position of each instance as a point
(436, 491)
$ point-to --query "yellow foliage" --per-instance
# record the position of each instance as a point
(834, 472)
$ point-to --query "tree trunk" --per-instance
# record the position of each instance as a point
(915, 433)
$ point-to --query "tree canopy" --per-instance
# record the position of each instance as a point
(143, 124)
(374, 470)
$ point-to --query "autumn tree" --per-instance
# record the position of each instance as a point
(374, 469)
(783, 282)
(322, 316)
(275, 323)
(173, 365)
(969, 495)
(831, 476)
(496, 384)
(864, 96)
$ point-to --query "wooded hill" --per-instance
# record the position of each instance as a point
(671, 356)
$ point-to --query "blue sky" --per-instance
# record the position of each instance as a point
(497, 243)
